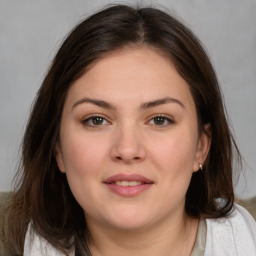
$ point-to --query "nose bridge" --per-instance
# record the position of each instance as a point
(128, 144)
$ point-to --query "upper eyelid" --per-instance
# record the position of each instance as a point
(162, 115)
(90, 117)
(95, 115)
(168, 119)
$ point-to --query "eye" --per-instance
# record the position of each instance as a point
(160, 121)
(95, 121)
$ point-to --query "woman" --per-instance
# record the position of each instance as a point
(127, 150)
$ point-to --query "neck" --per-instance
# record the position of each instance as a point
(176, 238)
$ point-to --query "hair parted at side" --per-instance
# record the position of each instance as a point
(42, 196)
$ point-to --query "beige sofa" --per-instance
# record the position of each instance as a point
(249, 204)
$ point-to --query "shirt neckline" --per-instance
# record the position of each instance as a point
(200, 242)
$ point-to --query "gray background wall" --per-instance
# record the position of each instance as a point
(31, 31)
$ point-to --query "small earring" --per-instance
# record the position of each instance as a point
(201, 167)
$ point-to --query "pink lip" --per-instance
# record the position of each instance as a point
(128, 191)
(127, 177)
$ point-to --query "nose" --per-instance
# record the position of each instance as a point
(128, 145)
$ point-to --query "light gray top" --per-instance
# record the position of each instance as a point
(234, 235)
(199, 246)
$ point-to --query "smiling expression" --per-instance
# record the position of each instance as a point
(129, 140)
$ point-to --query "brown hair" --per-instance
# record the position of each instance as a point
(43, 196)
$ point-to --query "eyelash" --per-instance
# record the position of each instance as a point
(163, 117)
(89, 120)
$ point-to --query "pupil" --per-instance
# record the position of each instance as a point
(97, 120)
(159, 120)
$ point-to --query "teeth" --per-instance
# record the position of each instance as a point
(127, 183)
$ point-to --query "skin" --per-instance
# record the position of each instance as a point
(128, 139)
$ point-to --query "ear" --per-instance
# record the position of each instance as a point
(59, 157)
(203, 146)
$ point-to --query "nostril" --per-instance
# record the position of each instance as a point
(133, 158)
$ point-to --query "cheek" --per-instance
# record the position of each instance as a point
(174, 160)
(175, 152)
(83, 154)
(84, 160)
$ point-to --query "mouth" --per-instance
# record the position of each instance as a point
(128, 185)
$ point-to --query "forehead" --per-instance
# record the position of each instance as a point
(131, 74)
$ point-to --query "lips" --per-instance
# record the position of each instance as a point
(128, 185)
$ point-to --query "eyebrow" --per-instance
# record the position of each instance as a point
(146, 105)
(100, 103)
(158, 102)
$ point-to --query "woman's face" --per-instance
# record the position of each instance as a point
(129, 140)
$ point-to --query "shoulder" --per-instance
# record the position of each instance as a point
(233, 235)
(36, 245)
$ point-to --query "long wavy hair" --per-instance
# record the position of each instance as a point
(42, 195)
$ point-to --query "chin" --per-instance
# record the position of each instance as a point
(130, 225)
(129, 220)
